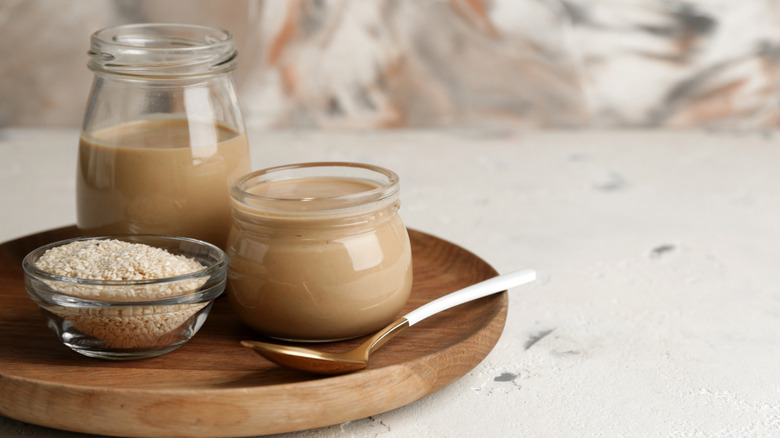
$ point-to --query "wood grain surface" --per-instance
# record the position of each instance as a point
(212, 386)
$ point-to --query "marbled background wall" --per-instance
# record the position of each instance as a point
(345, 64)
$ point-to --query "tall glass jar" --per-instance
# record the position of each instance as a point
(318, 251)
(163, 136)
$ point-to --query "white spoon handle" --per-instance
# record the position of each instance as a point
(470, 293)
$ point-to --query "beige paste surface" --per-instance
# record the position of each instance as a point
(160, 177)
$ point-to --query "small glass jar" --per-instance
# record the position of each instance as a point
(163, 136)
(318, 251)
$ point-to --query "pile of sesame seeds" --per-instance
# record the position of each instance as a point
(128, 326)
(114, 260)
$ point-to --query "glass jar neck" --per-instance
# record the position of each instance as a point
(292, 196)
(162, 51)
(246, 221)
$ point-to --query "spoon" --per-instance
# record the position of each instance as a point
(319, 362)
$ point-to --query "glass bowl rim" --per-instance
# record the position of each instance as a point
(208, 271)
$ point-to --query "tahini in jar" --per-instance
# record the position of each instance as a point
(318, 251)
(163, 136)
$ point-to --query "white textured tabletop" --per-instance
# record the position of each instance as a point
(657, 311)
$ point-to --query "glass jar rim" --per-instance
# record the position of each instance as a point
(162, 49)
(385, 192)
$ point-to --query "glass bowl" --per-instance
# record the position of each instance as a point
(128, 319)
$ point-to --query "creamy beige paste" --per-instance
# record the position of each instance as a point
(160, 177)
(315, 279)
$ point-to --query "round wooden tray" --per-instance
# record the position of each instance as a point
(212, 386)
